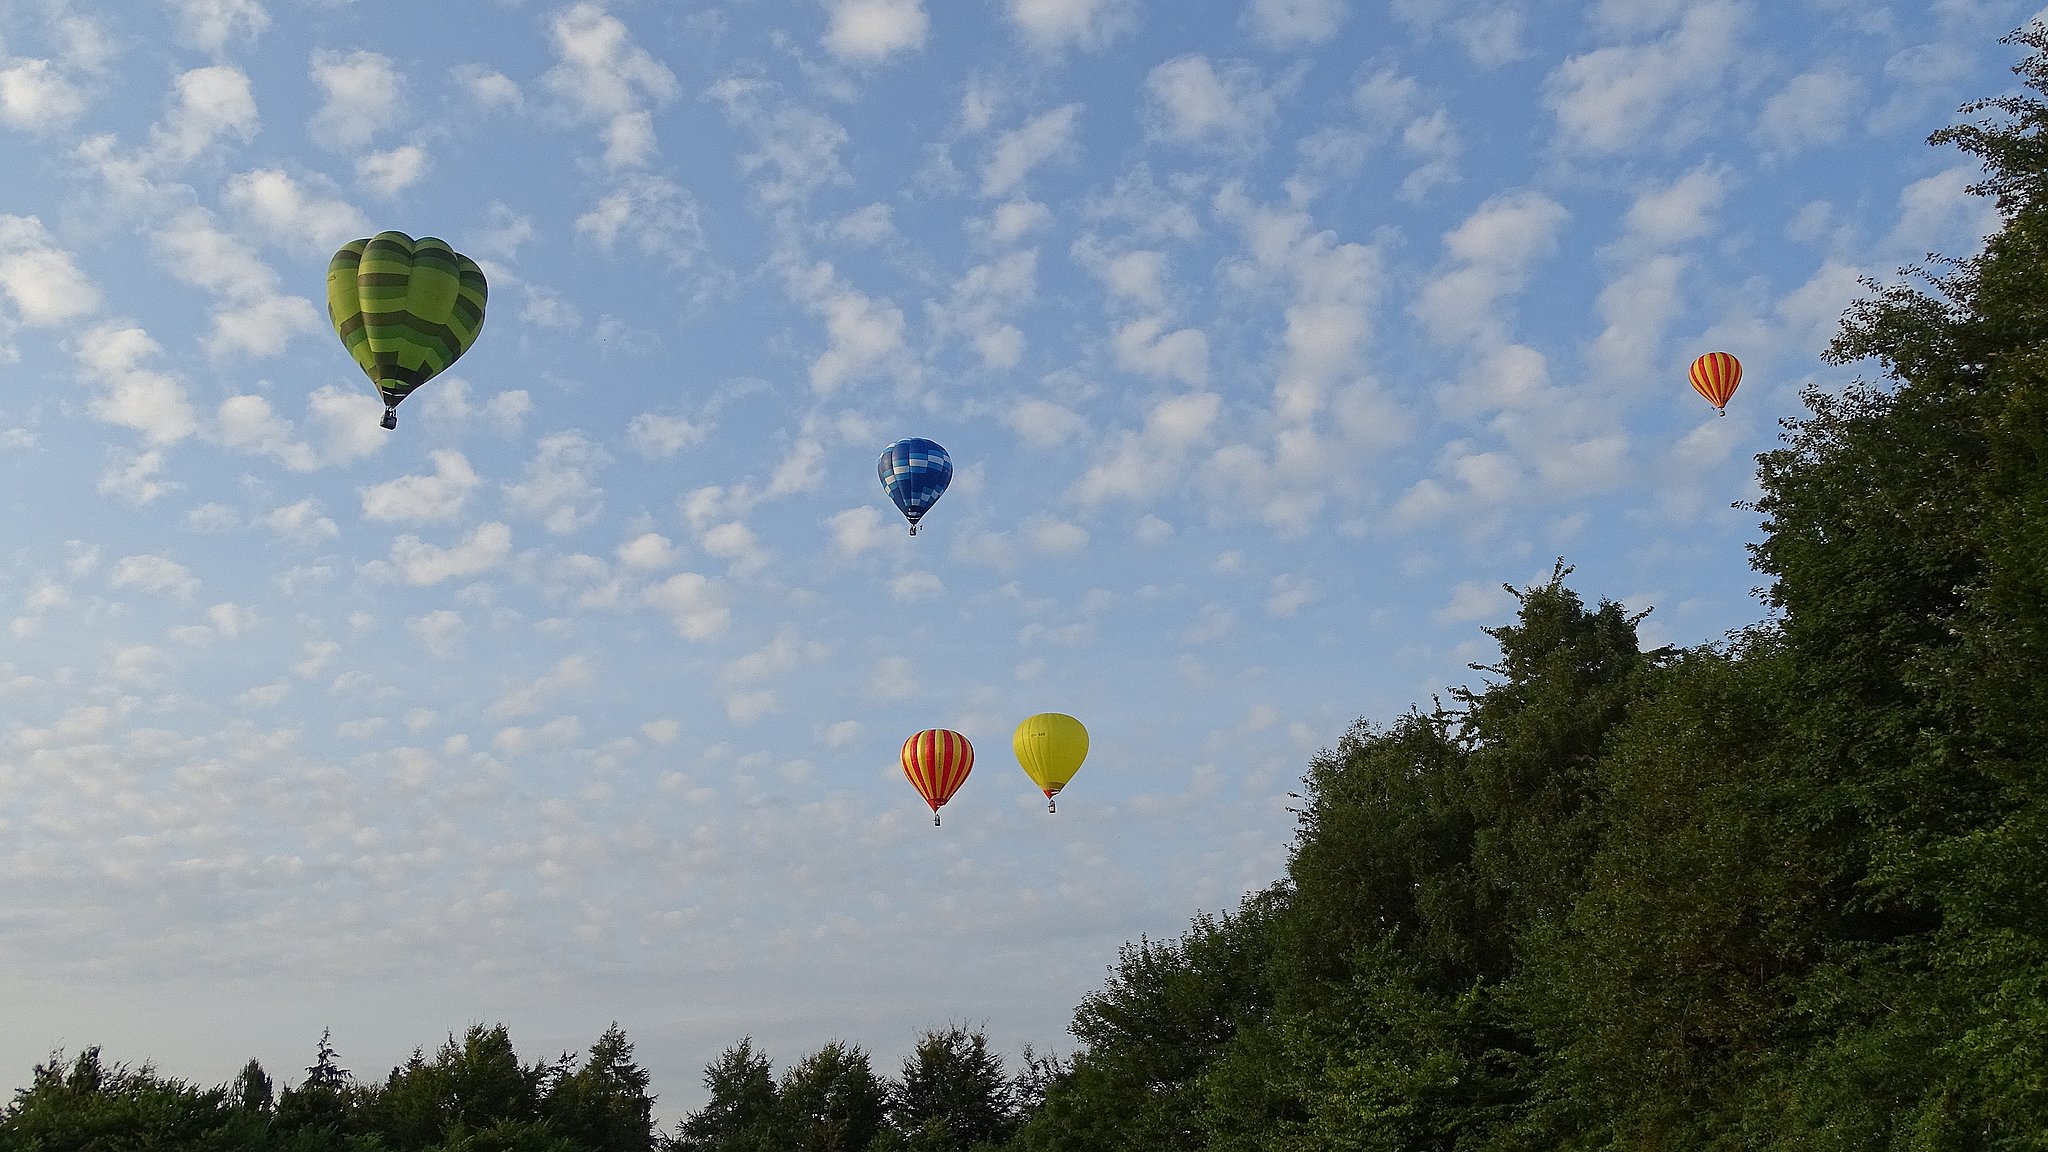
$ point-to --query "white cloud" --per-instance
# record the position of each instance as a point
(437, 631)
(288, 215)
(135, 477)
(1290, 595)
(735, 543)
(855, 530)
(1189, 100)
(386, 174)
(796, 150)
(657, 215)
(1493, 250)
(300, 522)
(418, 562)
(1145, 347)
(658, 436)
(1939, 213)
(1476, 600)
(247, 424)
(1813, 108)
(559, 489)
(912, 587)
(1294, 23)
(694, 603)
(1043, 424)
(40, 279)
(603, 73)
(892, 678)
(570, 674)
(211, 103)
(363, 95)
(35, 98)
(872, 31)
(424, 499)
(647, 552)
(1611, 98)
(488, 88)
(865, 334)
(1680, 211)
(129, 394)
(867, 226)
(1053, 536)
(210, 25)
(1051, 25)
(1015, 153)
(1139, 464)
(153, 574)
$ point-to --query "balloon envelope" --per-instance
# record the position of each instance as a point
(915, 472)
(1715, 376)
(937, 761)
(1050, 746)
(404, 308)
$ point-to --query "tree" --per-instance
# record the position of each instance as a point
(953, 1094)
(603, 1106)
(831, 1100)
(741, 1114)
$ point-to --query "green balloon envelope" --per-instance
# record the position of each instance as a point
(404, 308)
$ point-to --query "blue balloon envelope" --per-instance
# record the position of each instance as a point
(916, 472)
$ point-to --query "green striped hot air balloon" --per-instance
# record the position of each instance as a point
(405, 309)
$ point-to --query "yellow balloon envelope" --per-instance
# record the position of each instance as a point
(1051, 747)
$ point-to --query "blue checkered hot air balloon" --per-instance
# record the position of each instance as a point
(916, 472)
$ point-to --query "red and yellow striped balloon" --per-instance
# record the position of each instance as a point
(1715, 376)
(937, 761)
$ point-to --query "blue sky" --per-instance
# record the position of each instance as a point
(1269, 340)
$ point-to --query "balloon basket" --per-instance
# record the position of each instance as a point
(913, 529)
(390, 420)
(935, 819)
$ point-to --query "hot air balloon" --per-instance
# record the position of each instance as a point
(405, 309)
(916, 472)
(1050, 746)
(1715, 376)
(937, 761)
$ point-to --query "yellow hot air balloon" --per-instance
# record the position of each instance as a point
(1051, 746)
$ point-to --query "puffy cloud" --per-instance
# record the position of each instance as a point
(872, 31)
(694, 603)
(1189, 100)
(558, 488)
(1493, 250)
(40, 279)
(34, 97)
(1145, 347)
(796, 150)
(912, 587)
(128, 394)
(136, 477)
(867, 226)
(856, 530)
(1476, 600)
(1680, 211)
(484, 548)
(1939, 213)
(153, 574)
(488, 88)
(1290, 594)
(1294, 23)
(570, 674)
(424, 499)
(210, 103)
(1051, 25)
(865, 334)
(211, 25)
(1053, 536)
(656, 214)
(1814, 107)
(287, 214)
(1043, 424)
(437, 631)
(658, 436)
(363, 95)
(647, 552)
(1610, 98)
(1015, 153)
(301, 522)
(386, 174)
(1139, 464)
(603, 73)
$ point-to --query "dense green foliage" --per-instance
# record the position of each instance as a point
(1785, 892)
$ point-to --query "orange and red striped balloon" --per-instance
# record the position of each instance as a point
(937, 761)
(1715, 376)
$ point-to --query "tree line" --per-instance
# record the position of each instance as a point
(1784, 891)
